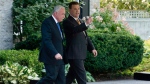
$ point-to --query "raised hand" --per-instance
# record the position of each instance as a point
(88, 20)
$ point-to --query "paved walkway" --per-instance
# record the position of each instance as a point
(131, 81)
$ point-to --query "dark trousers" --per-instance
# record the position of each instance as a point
(76, 71)
(55, 74)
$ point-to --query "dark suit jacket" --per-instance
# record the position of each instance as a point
(77, 43)
(51, 42)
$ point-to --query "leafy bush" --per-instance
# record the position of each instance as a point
(116, 51)
(14, 73)
(143, 66)
(31, 43)
(23, 57)
(108, 19)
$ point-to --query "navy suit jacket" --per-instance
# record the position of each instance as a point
(52, 42)
(77, 43)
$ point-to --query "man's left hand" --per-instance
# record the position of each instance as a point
(94, 52)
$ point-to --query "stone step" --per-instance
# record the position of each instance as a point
(142, 76)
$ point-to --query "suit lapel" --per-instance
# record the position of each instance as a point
(55, 25)
(73, 21)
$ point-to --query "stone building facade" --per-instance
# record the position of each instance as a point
(6, 27)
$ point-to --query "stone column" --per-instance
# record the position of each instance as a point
(93, 5)
(6, 27)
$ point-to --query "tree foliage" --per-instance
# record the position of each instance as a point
(128, 4)
(29, 14)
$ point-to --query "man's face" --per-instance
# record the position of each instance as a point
(75, 11)
(60, 15)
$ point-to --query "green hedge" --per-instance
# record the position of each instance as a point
(24, 57)
(116, 51)
(31, 43)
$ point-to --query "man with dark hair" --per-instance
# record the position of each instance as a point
(77, 44)
(51, 51)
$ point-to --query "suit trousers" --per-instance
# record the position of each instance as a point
(76, 71)
(55, 74)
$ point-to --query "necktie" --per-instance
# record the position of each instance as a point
(59, 29)
(78, 21)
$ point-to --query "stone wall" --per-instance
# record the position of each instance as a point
(6, 28)
(139, 21)
(140, 26)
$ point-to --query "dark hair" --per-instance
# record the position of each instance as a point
(73, 3)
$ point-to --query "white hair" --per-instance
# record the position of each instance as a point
(57, 8)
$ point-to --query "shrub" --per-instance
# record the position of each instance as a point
(116, 51)
(14, 73)
(24, 57)
(31, 43)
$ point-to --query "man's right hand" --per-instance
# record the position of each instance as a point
(58, 56)
(89, 20)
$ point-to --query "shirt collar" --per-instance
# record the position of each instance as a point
(74, 17)
(55, 19)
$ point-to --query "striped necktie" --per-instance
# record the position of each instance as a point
(78, 21)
